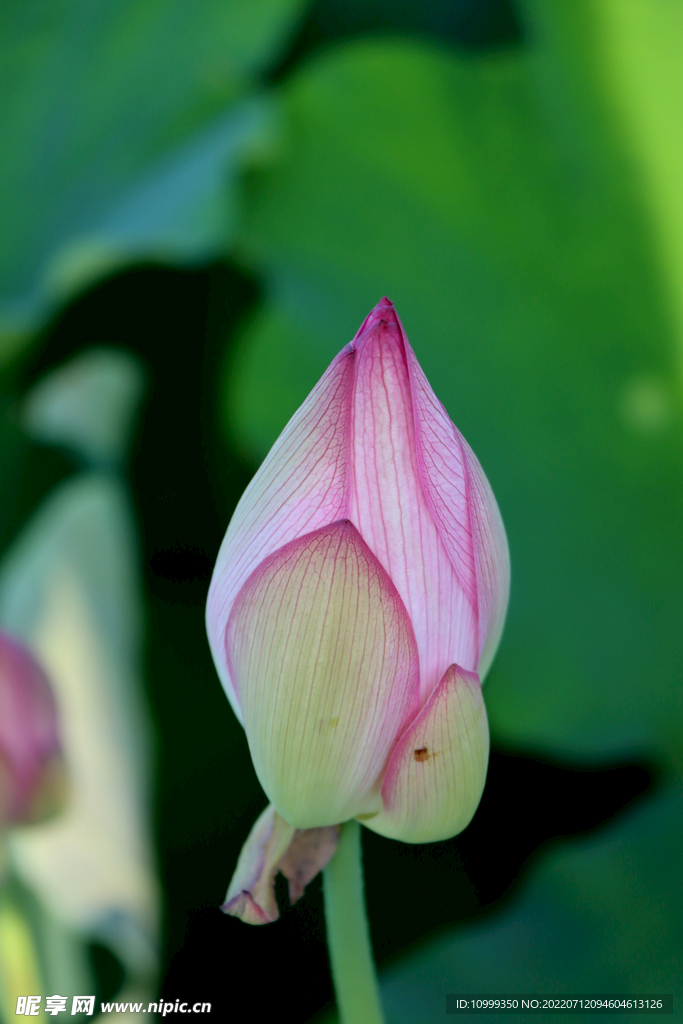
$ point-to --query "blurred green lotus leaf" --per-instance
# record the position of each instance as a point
(124, 123)
(69, 589)
(269, 378)
(599, 916)
(625, 59)
(519, 260)
(88, 404)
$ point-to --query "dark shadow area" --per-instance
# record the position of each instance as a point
(471, 25)
(527, 804)
(182, 565)
(107, 970)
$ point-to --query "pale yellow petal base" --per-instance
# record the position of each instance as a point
(437, 772)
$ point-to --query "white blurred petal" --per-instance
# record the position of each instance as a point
(88, 404)
(69, 590)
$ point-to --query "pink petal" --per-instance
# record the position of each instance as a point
(272, 846)
(251, 893)
(492, 559)
(300, 486)
(436, 775)
(324, 662)
(389, 506)
(465, 512)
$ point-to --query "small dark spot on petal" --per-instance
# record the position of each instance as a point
(422, 754)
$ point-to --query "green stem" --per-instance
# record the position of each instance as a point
(348, 937)
(19, 970)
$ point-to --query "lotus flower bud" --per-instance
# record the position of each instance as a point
(31, 767)
(358, 600)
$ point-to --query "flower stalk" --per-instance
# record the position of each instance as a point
(348, 935)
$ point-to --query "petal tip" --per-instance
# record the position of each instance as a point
(243, 905)
(383, 312)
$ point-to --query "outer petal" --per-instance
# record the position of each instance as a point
(251, 893)
(325, 667)
(274, 846)
(389, 505)
(300, 486)
(465, 512)
(436, 775)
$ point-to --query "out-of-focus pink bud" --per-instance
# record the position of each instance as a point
(358, 600)
(32, 782)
